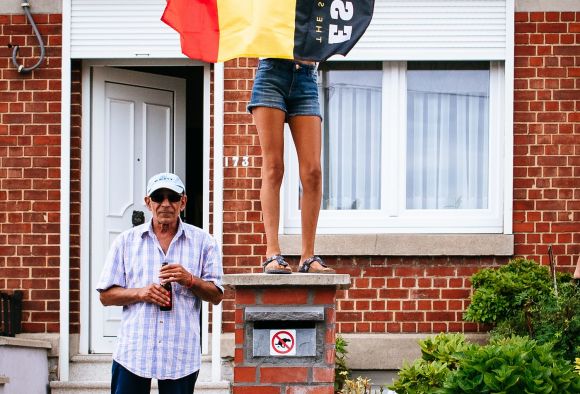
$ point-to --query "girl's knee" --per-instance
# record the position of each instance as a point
(273, 173)
(311, 178)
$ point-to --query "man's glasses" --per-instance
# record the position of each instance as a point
(159, 197)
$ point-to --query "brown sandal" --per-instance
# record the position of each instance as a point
(285, 269)
(306, 268)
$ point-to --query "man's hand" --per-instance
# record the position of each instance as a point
(152, 293)
(155, 294)
(207, 291)
(175, 272)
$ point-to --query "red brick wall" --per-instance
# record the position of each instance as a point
(30, 169)
(417, 294)
(75, 199)
(547, 135)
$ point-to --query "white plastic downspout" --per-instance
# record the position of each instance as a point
(509, 116)
(63, 348)
(205, 349)
(218, 182)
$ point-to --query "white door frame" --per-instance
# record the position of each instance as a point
(85, 225)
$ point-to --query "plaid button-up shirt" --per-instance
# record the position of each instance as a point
(153, 343)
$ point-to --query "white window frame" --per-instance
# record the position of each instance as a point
(393, 217)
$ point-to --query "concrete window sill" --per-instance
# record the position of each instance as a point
(404, 245)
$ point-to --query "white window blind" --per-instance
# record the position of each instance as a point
(400, 30)
(435, 30)
(112, 29)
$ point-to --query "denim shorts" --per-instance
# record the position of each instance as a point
(286, 85)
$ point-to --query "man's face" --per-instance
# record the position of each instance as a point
(165, 205)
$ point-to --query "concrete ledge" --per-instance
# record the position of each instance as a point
(388, 351)
(24, 342)
(36, 7)
(404, 245)
(4, 380)
(284, 313)
(547, 5)
(46, 337)
(341, 281)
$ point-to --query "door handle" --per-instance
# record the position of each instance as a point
(138, 218)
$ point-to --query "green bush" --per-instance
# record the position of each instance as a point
(444, 348)
(341, 371)
(421, 377)
(510, 290)
(519, 299)
(535, 331)
(440, 355)
(557, 320)
(512, 366)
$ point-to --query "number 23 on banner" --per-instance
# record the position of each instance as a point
(236, 161)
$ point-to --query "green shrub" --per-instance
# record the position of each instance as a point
(512, 366)
(512, 289)
(557, 320)
(440, 355)
(444, 348)
(421, 377)
(341, 371)
(519, 299)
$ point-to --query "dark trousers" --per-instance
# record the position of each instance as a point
(126, 382)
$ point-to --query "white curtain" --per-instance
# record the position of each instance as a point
(448, 143)
(351, 142)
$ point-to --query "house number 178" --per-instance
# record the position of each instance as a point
(235, 161)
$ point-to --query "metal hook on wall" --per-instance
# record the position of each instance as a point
(16, 48)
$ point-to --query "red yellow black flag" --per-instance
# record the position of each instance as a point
(219, 30)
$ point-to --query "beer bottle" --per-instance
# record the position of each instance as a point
(167, 286)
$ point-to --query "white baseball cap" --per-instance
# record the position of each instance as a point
(165, 180)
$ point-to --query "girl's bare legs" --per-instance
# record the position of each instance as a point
(270, 125)
(306, 133)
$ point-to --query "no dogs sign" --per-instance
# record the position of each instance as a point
(282, 342)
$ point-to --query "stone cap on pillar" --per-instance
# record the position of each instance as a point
(340, 281)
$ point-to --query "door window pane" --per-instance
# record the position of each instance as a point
(447, 135)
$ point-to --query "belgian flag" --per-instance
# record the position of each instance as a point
(219, 30)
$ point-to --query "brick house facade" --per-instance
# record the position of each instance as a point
(389, 294)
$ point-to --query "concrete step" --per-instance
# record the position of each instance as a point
(91, 374)
(97, 367)
(101, 387)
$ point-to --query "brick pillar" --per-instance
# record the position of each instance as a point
(302, 304)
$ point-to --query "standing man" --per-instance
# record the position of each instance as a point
(155, 343)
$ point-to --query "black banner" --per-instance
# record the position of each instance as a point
(329, 27)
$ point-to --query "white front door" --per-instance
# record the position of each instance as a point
(137, 130)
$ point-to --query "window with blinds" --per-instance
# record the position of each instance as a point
(400, 30)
